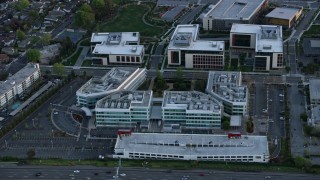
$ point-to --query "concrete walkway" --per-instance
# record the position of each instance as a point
(82, 56)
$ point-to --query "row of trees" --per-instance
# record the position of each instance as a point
(86, 16)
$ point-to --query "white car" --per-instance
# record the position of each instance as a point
(123, 174)
(56, 112)
(281, 118)
(281, 95)
(76, 171)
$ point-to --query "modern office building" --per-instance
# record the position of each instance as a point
(284, 16)
(116, 48)
(117, 79)
(226, 87)
(18, 84)
(199, 147)
(314, 89)
(191, 109)
(261, 43)
(226, 12)
(124, 109)
(187, 50)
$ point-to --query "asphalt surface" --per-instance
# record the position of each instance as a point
(157, 57)
(297, 106)
(191, 15)
(11, 171)
(39, 133)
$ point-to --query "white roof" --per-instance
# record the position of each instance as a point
(190, 100)
(193, 144)
(117, 43)
(118, 49)
(115, 79)
(125, 100)
(185, 37)
(235, 9)
(268, 37)
(283, 13)
(124, 36)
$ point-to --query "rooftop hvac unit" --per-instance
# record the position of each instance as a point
(214, 44)
(134, 49)
(265, 46)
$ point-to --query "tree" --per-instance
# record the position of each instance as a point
(3, 75)
(33, 55)
(58, 69)
(179, 83)
(302, 163)
(200, 85)
(45, 39)
(20, 35)
(304, 117)
(22, 4)
(226, 123)
(31, 153)
(84, 17)
(98, 4)
(99, 8)
(160, 83)
(66, 46)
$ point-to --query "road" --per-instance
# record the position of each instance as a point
(11, 171)
(302, 26)
(296, 104)
(157, 57)
(190, 16)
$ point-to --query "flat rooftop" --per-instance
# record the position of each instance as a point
(268, 37)
(283, 13)
(126, 100)
(117, 43)
(193, 144)
(227, 85)
(316, 114)
(311, 46)
(115, 79)
(235, 9)
(314, 87)
(18, 77)
(189, 100)
(185, 37)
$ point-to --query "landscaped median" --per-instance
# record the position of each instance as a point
(174, 164)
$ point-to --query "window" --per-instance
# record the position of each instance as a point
(138, 59)
(122, 58)
(118, 58)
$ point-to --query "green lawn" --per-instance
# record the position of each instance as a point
(73, 59)
(130, 20)
(314, 30)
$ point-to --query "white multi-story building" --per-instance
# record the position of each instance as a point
(117, 79)
(226, 87)
(191, 109)
(19, 83)
(200, 147)
(187, 50)
(261, 43)
(124, 109)
(117, 48)
(226, 12)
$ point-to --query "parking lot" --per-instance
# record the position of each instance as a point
(38, 132)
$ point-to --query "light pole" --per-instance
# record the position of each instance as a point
(16, 132)
(51, 144)
(52, 133)
(33, 122)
